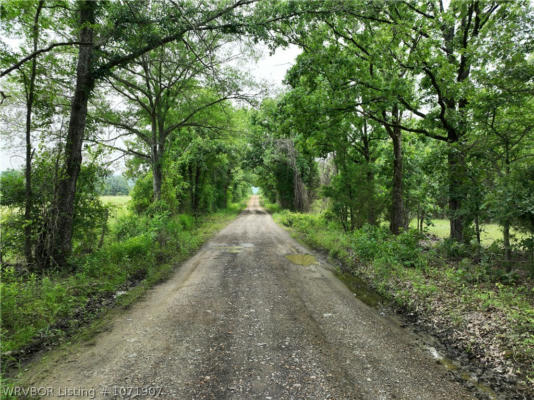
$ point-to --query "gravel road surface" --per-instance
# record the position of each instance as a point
(240, 321)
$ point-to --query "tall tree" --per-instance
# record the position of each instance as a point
(30, 95)
(125, 32)
(169, 89)
(441, 47)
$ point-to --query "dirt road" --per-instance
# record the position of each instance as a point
(241, 321)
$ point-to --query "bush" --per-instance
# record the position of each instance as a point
(186, 221)
(12, 189)
(454, 250)
(142, 194)
(12, 237)
(405, 249)
(129, 226)
(90, 215)
(368, 241)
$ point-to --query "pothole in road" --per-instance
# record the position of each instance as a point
(233, 249)
(302, 259)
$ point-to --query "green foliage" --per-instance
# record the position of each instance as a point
(522, 197)
(11, 188)
(140, 251)
(420, 280)
(270, 207)
(12, 235)
(114, 185)
(450, 87)
(142, 193)
(90, 214)
(203, 171)
(286, 173)
(455, 250)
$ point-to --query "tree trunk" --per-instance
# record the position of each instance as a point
(371, 215)
(420, 219)
(506, 223)
(158, 137)
(456, 188)
(62, 227)
(397, 206)
(157, 178)
(28, 196)
(477, 228)
(157, 173)
(104, 229)
(507, 246)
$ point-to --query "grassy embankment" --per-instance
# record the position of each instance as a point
(488, 315)
(138, 252)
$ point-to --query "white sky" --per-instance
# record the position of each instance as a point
(273, 68)
(269, 68)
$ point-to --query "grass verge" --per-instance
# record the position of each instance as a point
(271, 208)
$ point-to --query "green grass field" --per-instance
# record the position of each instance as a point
(490, 232)
(119, 205)
(115, 200)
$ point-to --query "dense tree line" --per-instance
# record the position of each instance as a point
(421, 109)
(115, 185)
(134, 77)
(410, 109)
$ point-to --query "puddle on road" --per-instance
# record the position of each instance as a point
(302, 259)
(466, 376)
(360, 289)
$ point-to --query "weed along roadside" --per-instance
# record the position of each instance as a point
(483, 329)
(62, 310)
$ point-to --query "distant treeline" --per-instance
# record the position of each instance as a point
(115, 185)
(12, 186)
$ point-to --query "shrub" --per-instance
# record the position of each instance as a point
(186, 221)
(129, 226)
(454, 250)
(368, 241)
(142, 194)
(405, 249)
(12, 188)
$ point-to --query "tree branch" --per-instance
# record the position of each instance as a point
(40, 51)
